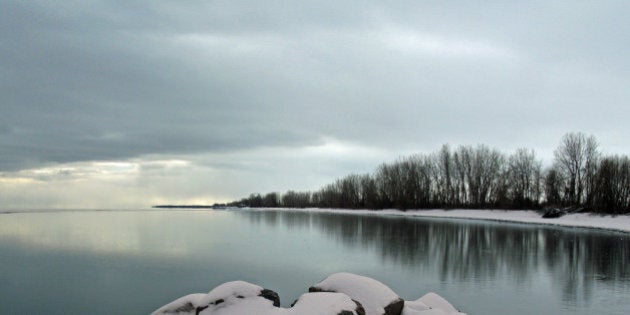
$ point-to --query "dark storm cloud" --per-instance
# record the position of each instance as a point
(85, 81)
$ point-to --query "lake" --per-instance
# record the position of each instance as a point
(132, 262)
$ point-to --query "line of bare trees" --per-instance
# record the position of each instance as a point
(478, 177)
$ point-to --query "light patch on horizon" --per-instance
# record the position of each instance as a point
(409, 41)
(85, 184)
(334, 148)
(193, 179)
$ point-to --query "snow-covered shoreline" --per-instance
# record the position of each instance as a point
(619, 223)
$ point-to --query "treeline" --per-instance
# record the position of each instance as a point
(580, 178)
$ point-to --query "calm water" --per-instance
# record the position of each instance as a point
(115, 262)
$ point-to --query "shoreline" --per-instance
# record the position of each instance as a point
(608, 223)
(619, 224)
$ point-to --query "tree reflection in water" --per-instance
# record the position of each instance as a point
(577, 260)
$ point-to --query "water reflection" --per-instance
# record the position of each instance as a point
(577, 261)
(150, 233)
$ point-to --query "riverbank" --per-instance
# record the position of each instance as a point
(620, 223)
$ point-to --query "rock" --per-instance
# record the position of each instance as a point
(415, 307)
(553, 213)
(239, 297)
(320, 302)
(376, 298)
(433, 300)
(188, 304)
(224, 296)
(271, 296)
(395, 307)
(339, 294)
(430, 304)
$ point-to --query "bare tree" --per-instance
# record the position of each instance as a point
(461, 159)
(295, 199)
(576, 157)
(370, 198)
(477, 177)
(271, 200)
(612, 186)
(477, 171)
(442, 174)
(554, 187)
(524, 172)
(349, 187)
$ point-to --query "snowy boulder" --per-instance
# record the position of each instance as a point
(430, 304)
(376, 298)
(322, 303)
(339, 294)
(189, 304)
(227, 296)
(240, 297)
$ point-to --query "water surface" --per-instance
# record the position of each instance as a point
(132, 262)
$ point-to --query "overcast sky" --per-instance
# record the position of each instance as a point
(129, 104)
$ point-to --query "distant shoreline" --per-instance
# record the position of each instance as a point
(619, 223)
(188, 207)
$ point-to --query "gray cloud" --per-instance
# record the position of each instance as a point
(85, 81)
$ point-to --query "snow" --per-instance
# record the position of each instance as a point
(240, 297)
(433, 311)
(620, 223)
(228, 298)
(415, 307)
(372, 294)
(252, 305)
(585, 220)
(233, 290)
(433, 300)
(430, 304)
(183, 305)
(321, 303)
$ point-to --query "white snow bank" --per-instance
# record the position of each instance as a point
(240, 297)
(586, 220)
(372, 294)
(620, 223)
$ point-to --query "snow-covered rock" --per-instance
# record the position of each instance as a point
(326, 303)
(430, 304)
(230, 296)
(376, 298)
(188, 304)
(240, 297)
(339, 294)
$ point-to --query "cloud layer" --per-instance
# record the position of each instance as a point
(86, 82)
